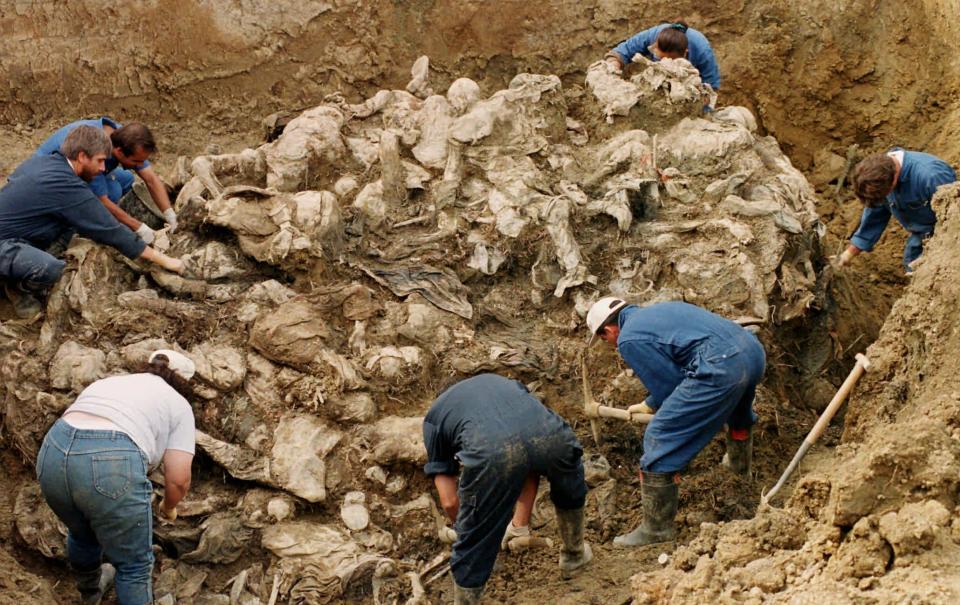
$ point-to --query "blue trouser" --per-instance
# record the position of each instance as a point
(914, 248)
(27, 266)
(489, 490)
(119, 182)
(720, 391)
(96, 483)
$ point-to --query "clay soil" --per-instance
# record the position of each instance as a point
(818, 75)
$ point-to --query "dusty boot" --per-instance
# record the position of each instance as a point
(94, 583)
(739, 456)
(659, 493)
(575, 552)
(25, 304)
(466, 596)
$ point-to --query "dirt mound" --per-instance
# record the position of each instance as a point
(878, 524)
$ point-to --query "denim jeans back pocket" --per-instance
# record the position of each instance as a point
(40, 457)
(112, 475)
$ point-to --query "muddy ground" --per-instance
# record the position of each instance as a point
(821, 76)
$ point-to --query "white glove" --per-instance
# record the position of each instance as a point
(447, 535)
(513, 532)
(171, 217)
(146, 233)
(166, 516)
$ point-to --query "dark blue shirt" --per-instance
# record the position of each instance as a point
(667, 342)
(699, 52)
(99, 183)
(909, 202)
(43, 197)
(469, 422)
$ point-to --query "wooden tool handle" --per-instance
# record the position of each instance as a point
(861, 366)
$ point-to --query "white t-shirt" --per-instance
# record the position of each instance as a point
(150, 411)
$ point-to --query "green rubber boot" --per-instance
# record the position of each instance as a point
(575, 552)
(660, 494)
(94, 583)
(466, 596)
(739, 456)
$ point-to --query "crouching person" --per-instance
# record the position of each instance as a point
(93, 467)
(504, 439)
(46, 200)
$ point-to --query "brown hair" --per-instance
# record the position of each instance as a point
(133, 136)
(672, 40)
(873, 177)
(91, 140)
(160, 367)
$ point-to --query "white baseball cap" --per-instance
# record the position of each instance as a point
(178, 362)
(600, 312)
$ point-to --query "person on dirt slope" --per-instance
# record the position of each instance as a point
(93, 468)
(133, 144)
(673, 41)
(701, 371)
(44, 202)
(504, 439)
(898, 183)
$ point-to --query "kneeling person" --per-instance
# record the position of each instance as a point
(504, 439)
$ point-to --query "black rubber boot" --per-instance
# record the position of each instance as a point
(94, 583)
(466, 596)
(575, 552)
(739, 456)
(660, 493)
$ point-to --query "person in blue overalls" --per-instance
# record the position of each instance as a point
(673, 41)
(898, 183)
(701, 371)
(133, 144)
(500, 440)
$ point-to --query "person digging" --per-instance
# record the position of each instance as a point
(505, 440)
(702, 371)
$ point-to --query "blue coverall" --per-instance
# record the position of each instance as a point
(499, 433)
(909, 202)
(699, 52)
(115, 181)
(701, 371)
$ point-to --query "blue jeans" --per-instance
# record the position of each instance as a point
(96, 483)
(913, 249)
(119, 181)
(27, 266)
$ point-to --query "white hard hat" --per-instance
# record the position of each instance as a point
(178, 362)
(600, 312)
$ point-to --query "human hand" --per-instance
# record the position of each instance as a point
(171, 264)
(171, 218)
(447, 535)
(165, 514)
(513, 532)
(146, 233)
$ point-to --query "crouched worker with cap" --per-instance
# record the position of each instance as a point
(504, 439)
(45, 201)
(93, 467)
(702, 372)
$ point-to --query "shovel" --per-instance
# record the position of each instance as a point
(862, 365)
(635, 413)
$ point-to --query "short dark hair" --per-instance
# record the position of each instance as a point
(133, 136)
(613, 318)
(160, 366)
(673, 38)
(873, 178)
(91, 140)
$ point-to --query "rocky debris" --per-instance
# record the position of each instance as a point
(339, 273)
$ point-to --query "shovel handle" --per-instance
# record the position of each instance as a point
(861, 366)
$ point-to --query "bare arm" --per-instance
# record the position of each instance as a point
(176, 477)
(169, 263)
(521, 516)
(449, 500)
(156, 188)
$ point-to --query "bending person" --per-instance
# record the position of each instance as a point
(46, 200)
(702, 371)
(93, 468)
(901, 184)
(504, 438)
(132, 146)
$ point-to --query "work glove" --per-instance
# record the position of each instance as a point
(146, 233)
(171, 218)
(513, 532)
(614, 63)
(166, 516)
(447, 535)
